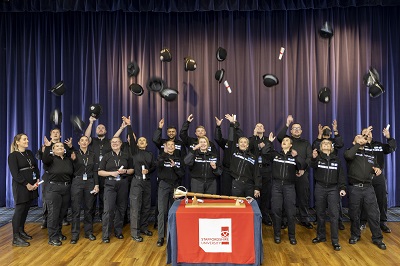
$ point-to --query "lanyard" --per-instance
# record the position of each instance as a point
(115, 161)
(29, 160)
(85, 163)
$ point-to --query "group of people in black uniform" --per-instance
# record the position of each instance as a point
(118, 174)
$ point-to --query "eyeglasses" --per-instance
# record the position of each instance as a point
(296, 128)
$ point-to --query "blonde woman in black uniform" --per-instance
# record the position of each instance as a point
(25, 176)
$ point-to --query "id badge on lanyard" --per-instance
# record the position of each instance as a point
(259, 159)
(34, 176)
(118, 178)
(84, 177)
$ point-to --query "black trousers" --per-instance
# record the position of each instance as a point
(115, 203)
(327, 197)
(165, 200)
(80, 196)
(242, 189)
(100, 197)
(364, 198)
(265, 198)
(19, 217)
(303, 196)
(58, 198)
(207, 187)
(283, 196)
(140, 201)
(380, 188)
(226, 182)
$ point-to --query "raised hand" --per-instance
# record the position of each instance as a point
(161, 123)
(190, 118)
(218, 121)
(68, 142)
(126, 120)
(92, 119)
(386, 133)
(334, 125)
(271, 137)
(46, 141)
(320, 131)
(230, 118)
(289, 120)
(315, 153)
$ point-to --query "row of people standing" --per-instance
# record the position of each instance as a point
(242, 149)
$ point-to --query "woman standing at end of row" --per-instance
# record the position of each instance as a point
(25, 176)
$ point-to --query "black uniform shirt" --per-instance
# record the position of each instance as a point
(59, 169)
(86, 163)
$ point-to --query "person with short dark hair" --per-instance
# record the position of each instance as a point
(140, 193)
(329, 178)
(85, 185)
(100, 145)
(325, 132)
(246, 179)
(285, 170)
(379, 150)
(225, 145)
(362, 168)
(58, 191)
(55, 137)
(170, 173)
(25, 178)
(304, 150)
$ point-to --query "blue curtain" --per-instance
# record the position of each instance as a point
(90, 51)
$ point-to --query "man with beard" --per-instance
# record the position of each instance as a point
(303, 148)
(361, 169)
(100, 145)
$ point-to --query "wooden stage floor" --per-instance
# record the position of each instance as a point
(129, 252)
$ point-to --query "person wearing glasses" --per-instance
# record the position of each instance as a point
(115, 167)
(304, 150)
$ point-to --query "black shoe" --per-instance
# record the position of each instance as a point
(44, 224)
(341, 226)
(284, 226)
(91, 237)
(119, 236)
(65, 223)
(353, 240)
(160, 242)
(55, 242)
(19, 242)
(106, 240)
(62, 237)
(318, 240)
(24, 235)
(293, 241)
(307, 225)
(385, 228)
(277, 239)
(380, 244)
(267, 222)
(336, 246)
(155, 225)
(146, 232)
(73, 241)
(137, 238)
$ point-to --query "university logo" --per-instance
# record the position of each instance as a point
(215, 235)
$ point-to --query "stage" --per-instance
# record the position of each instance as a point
(129, 252)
